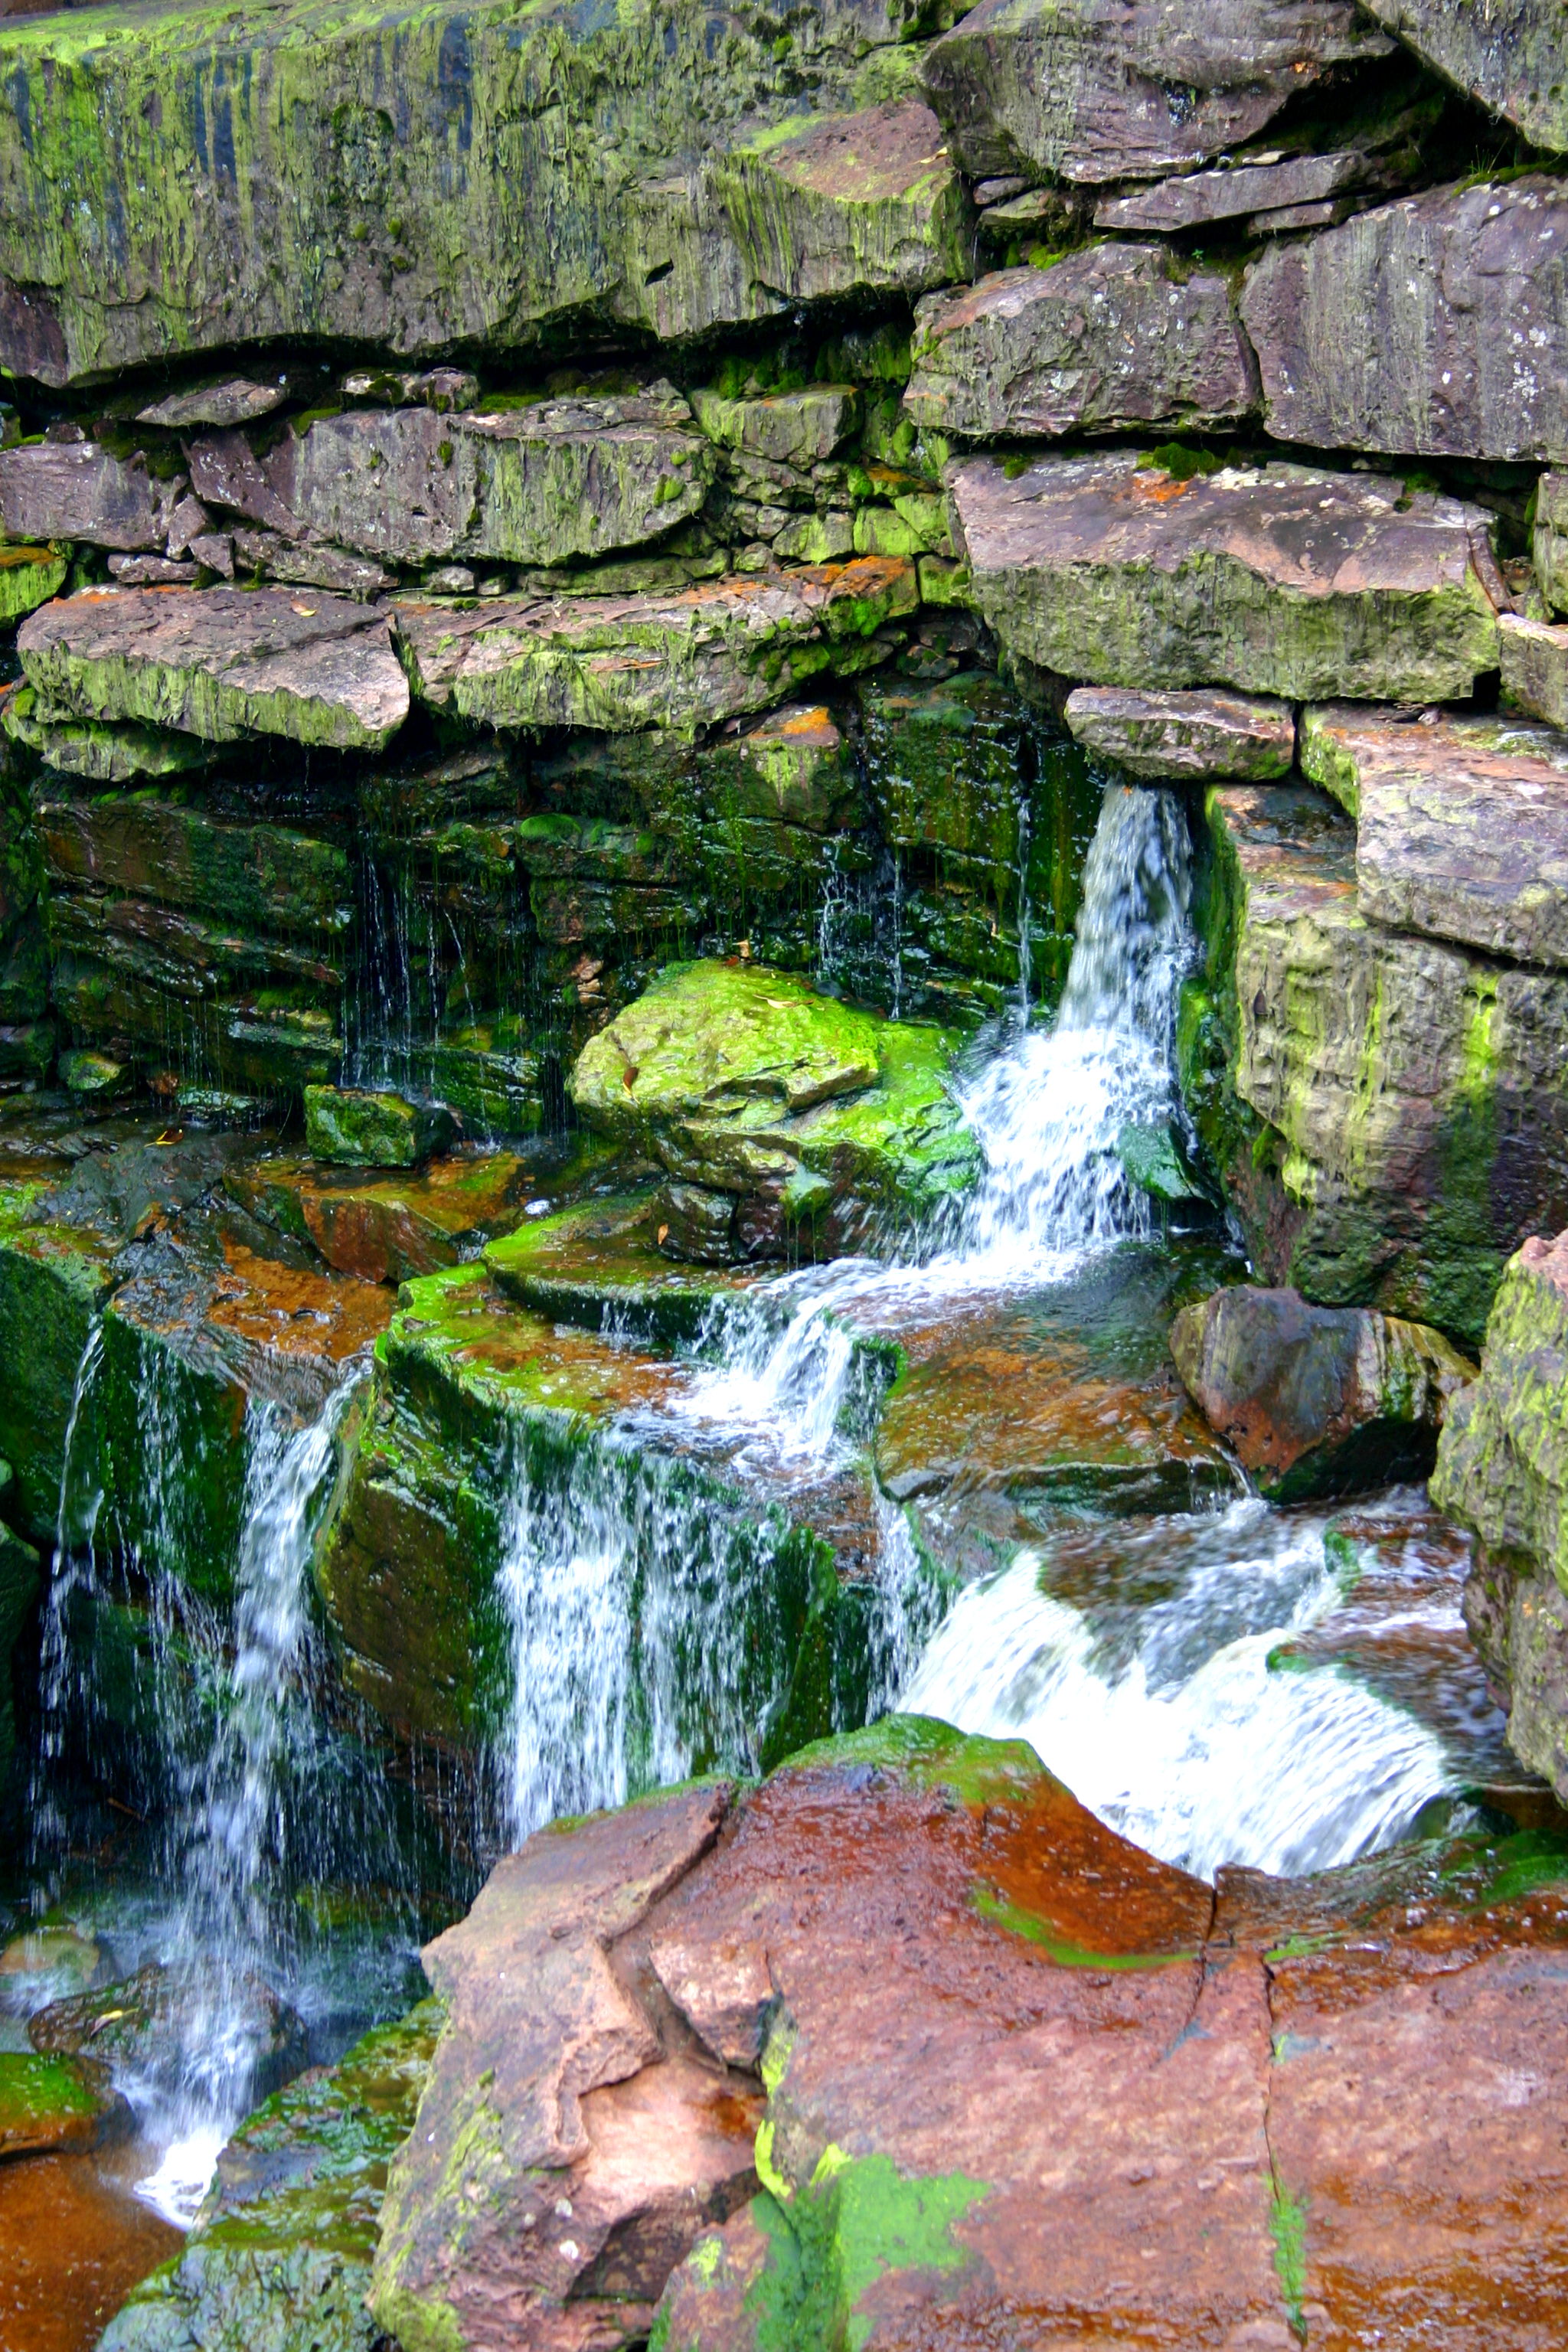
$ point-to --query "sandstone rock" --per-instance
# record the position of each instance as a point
(385, 1229)
(682, 660)
(1207, 736)
(55, 2106)
(74, 489)
(740, 1078)
(1316, 1400)
(280, 2256)
(228, 401)
(792, 428)
(1106, 339)
(29, 576)
(1461, 826)
(1199, 197)
(543, 483)
(102, 753)
(273, 557)
(1508, 56)
(404, 191)
(1088, 91)
(150, 572)
(1518, 1619)
(1502, 1467)
(1474, 366)
(1416, 1091)
(857, 203)
(1280, 581)
(1550, 539)
(356, 1127)
(221, 663)
(1534, 655)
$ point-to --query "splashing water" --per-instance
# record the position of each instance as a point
(1181, 1727)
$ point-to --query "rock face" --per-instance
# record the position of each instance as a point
(75, 489)
(1534, 661)
(1107, 570)
(281, 2255)
(1471, 364)
(223, 665)
(1197, 198)
(1202, 736)
(1550, 540)
(1509, 55)
(1414, 1088)
(1080, 2091)
(1107, 340)
(745, 1082)
(1089, 91)
(1461, 828)
(1317, 1401)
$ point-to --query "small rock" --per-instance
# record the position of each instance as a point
(449, 580)
(792, 428)
(1535, 666)
(1207, 736)
(1317, 1401)
(332, 568)
(1199, 197)
(231, 400)
(1109, 337)
(441, 388)
(152, 571)
(353, 1128)
(725, 1995)
(56, 2106)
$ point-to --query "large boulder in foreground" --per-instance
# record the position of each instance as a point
(221, 663)
(1462, 826)
(1279, 580)
(1502, 1470)
(1316, 1400)
(1475, 367)
(904, 2044)
(1109, 339)
(1088, 91)
(1509, 57)
(746, 1081)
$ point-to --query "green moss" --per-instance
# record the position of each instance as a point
(1066, 1955)
(1287, 2227)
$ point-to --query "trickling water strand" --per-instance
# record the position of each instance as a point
(1194, 1744)
(74, 1582)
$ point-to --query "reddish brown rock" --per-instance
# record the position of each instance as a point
(386, 1228)
(1316, 1399)
(74, 489)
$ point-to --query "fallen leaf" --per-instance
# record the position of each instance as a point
(306, 611)
(629, 1077)
(663, 1235)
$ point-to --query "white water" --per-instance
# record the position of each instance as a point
(1194, 1745)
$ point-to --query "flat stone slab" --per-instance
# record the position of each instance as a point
(227, 401)
(1212, 737)
(1108, 337)
(1075, 2083)
(75, 489)
(545, 483)
(1534, 657)
(1477, 368)
(1461, 827)
(1114, 571)
(1509, 58)
(387, 1228)
(601, 1261)
(1084, 91)
(683, 660)
(221, 663)
(1199, 198)
(57, 2105)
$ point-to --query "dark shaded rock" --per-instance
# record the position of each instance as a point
(1416, 1091)
(261, 877)
(1199, 197)
(103, 753)
(355, 1128)
(542, 483)
(1209, 737)
(53, 1283)
(279, 2258)
(273, 557)
(226, 402)
(21, 1583)
(74, 489)
(1100, 90)
(1461, 826)
(1473, 365)
(692, 1222)
(857, 203)
(1534, 658)
(1107, 570)
(1316, 1400)
(221, 663)
(1107, 339)
(145, 2023)
(1509, 55)
(1518, 1619)
(1550, 540)
(56, 2106)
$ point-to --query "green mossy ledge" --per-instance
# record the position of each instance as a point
(493, 1439)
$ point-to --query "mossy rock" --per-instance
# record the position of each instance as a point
(55, 2106)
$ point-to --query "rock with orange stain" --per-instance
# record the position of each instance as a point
(1280, 579)
(387, 1228)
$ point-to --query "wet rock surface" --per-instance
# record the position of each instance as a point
(1316, 1399)
(936, 2186)
(1203, 736)
(1106, 340)
(1106, 570)
(1510, 58)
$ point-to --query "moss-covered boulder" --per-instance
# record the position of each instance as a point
(1278, 580)
(747, 1081)
(279, 2258)
(1388, 1110)
(221, 663)
(56, 2106)
(1317, 1401)
(610, 1261)
(521, 1567)
(356, 1126)
(1106, 340)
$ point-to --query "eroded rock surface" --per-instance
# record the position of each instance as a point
(1509, 55)
(1109, 339)
(1111, 571)
(1197, 735)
